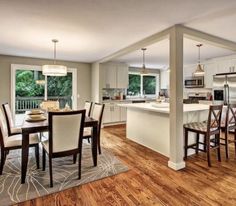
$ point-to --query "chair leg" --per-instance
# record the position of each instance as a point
(218, 149)
(197, 144)
(50, 171)
(208, 150)
(74, 158)
(88, 140)
(185, 144)
(44, 159)
(37, 155)
(99, 145)
(235, 143)
(79, 165)
(226, 144)
(3, 159)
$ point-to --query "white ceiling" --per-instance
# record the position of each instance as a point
(90, 30)
(157, 55)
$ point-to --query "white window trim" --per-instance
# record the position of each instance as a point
(141, 84)
(15, 67)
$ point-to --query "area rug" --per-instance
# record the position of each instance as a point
(65, 175)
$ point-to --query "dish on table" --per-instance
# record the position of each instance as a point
(35, 112)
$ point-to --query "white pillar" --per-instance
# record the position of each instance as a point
(176, 99)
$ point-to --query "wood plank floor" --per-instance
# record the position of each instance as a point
(150, 182)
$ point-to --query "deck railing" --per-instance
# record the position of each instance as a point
(27, 103)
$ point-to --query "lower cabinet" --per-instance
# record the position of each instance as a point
(113, 113)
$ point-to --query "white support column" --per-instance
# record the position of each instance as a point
(176, 99)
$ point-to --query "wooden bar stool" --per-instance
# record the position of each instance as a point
(207, 129)
(227, 126)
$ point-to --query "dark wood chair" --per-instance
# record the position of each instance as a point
(208, 129)
(11, 128)
(13, 142)
(97, 113)
(227, 126)
(65, 137)
(88, 108)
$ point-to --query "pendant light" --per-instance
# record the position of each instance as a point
(54, 69)
(144, 70)
(199, 70)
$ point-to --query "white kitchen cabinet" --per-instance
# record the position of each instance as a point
(114, 113)
(210, 70)
(115, 75)
(223, 66)
(165, 78)
(122, 76)
(123, 114)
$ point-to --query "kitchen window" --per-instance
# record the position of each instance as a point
(143, 84)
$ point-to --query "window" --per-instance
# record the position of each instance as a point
(142, 84)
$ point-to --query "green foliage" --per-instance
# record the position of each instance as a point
(134, 84)
(26, 84)
(149, 84)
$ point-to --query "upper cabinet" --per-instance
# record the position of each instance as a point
(165, 79)
(210, 70)
(223, 66)
(115, 75)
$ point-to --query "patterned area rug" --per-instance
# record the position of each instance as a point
(65, 175)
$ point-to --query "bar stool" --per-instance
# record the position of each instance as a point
(207, 129)
(228, 125)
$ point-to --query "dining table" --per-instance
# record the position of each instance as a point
(42, 126)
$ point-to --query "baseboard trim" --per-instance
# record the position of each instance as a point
(176, 166)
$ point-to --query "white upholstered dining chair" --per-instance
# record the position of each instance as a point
(97, 113)
(65, 137)
(88, 108)
(8, 143)
(11, 128)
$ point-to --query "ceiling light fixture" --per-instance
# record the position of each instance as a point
(144, 70)
(54, 69)
(199, 71)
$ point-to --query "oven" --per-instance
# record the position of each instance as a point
(194, 82)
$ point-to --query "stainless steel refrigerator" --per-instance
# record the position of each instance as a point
(224, 88)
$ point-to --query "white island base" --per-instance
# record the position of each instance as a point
(148, 124)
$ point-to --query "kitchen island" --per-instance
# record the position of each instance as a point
(148, 123)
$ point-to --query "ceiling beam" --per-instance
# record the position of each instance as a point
(133, 47)
(207, 38)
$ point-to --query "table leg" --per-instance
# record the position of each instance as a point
(24, 156)
(94, 145)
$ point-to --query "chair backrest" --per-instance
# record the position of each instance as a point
(231, 116)
(97, 113)
(3, 129)
(65, 130)
(214, 118)
(88, 107)
(9, 117)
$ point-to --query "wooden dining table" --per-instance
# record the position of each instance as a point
(42, 126)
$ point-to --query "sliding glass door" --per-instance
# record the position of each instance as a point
(30, 88)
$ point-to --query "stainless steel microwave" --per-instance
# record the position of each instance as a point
(194, 82)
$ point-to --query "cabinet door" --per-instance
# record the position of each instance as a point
(210, 70)
(122, 76)
(165, 78)
(107, 113)
(115, 113)
(123, 114)
(223, 66)
(110, 79)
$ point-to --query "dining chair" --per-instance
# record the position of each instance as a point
(227, 126)
(65, 137)
(14, 142)
(88, 108)
(209, 128)
(11, 128)
(97, 113)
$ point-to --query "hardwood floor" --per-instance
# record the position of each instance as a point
(150, 182)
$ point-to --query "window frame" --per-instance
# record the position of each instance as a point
(157, 76)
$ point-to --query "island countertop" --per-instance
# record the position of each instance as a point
(164, 107)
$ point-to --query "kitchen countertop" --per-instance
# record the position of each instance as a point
(164, 107)
(129, 100)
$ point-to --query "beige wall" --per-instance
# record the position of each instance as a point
(83, 75)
